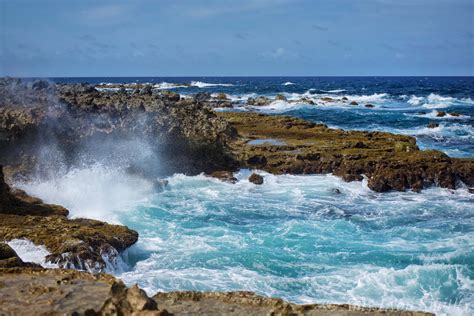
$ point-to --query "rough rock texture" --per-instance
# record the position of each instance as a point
(247, 303)
(391, 162)
(256, 178)
(185, 133)
(33, 291)
(77, 243)
(188, 137)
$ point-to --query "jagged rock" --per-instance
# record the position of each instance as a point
(226, 176)
(248, 303)
(391, 162)
(147, 90)
(280, 97)
(77, 243)
(221, 96)
(259, 101)
(256, 179)
(171, 95)
(179, 131)
(40, 85)
(201, 97)
(28, 291)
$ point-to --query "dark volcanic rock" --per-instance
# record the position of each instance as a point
(432, 125)
(187, 136)
(369, 105)
(256, 179)
(354, 103)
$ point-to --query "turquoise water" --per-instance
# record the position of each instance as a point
(302, 238)
(299, 238)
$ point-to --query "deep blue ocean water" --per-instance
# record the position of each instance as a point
(294, 237)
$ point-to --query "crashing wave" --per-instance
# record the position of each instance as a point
(433, 101)
(201, 84)
(288, 83)
(29, 252)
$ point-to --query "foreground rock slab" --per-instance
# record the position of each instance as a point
(29, 291)
(391, 162)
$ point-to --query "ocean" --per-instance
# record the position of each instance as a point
(294, 237)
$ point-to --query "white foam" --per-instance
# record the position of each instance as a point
(334, 91)
(288, 83)
(29, 252)
(201, 84)
(96, 192)
(434, 116)
(168, 85)
(434, 101)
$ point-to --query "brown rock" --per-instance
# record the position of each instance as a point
(256, 179)
(433, 125)
(441, 114)
(354, 103)
(226, 176)
(280, 97)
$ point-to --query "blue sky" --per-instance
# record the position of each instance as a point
(236, 37)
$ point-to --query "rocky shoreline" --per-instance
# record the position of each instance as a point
(73, 124)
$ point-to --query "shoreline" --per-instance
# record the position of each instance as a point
(204, 141)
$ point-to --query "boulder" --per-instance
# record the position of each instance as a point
(262, 100)
(327, 99)
(354, 103)
(147, 90)
(456, 114)
(221, 96)
(369, 105)
(433, 125)
(280, 97)
(441, 114)
(256, 179)
(201, 97)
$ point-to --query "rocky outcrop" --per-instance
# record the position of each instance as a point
(391, 162)
(73, 243)
(185, 134)
(29, 291)
(248, 303)
(188, 137)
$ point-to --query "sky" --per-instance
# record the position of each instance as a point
(54, 38)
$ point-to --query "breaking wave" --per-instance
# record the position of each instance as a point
(307, 239)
